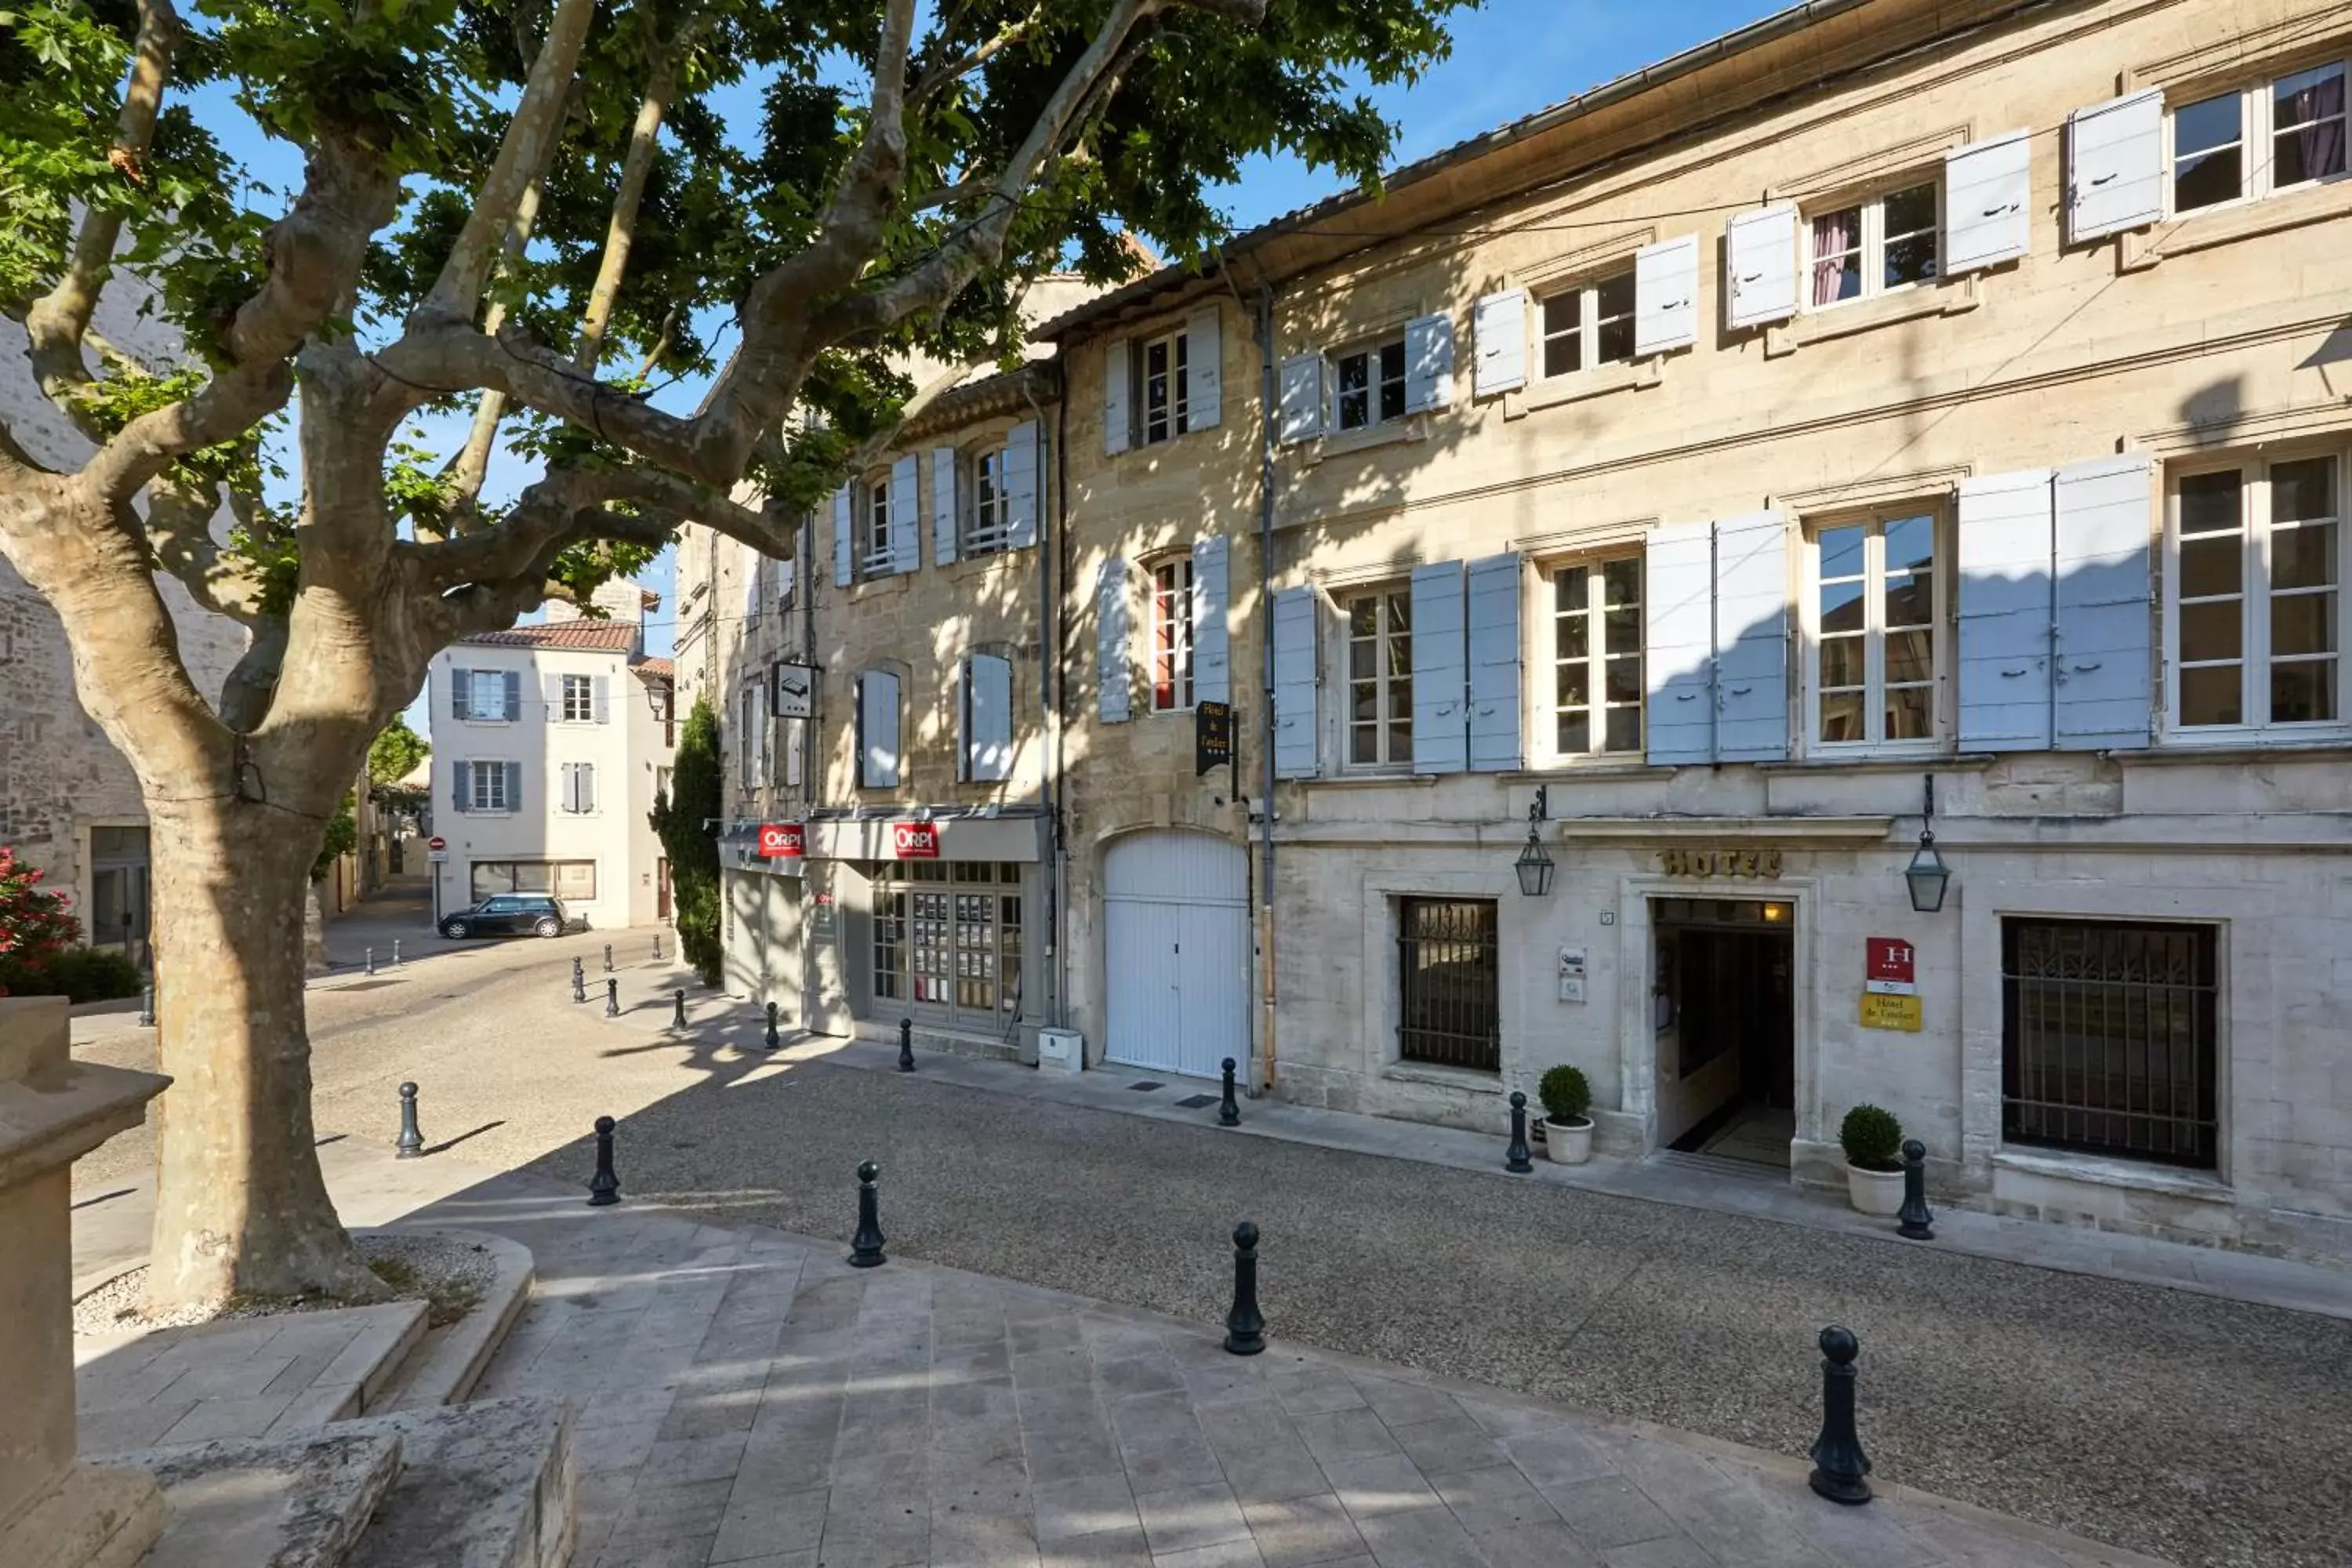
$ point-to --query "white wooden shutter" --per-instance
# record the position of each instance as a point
(1021, 484)
(1666, 295)
(1205, 370)
(1751, 638)
(1302, 397)
(2005, 612)
(991, 718)
(945, 503)
(514, 696)
(461, 784)
(905, 515)
(1428, 363)
(1295, 747)
(2100, 663)
(1212, 672)
(877, 730)
(1494, 610)
(461, 693)
(1498, 328)
(552, 693)
(1760, 256)
(1678, 643)
(1988, 196)
(1118, 424)
(2115, 165)
(1114, 675)
(845, 540)
(601, 699)
(1441, 731)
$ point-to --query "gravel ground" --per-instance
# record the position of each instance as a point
(450, 1274)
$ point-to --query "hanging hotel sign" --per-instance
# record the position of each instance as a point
(914, 841)
(1755, 865)
(782, 841)
(1212, 736)
(792, 690)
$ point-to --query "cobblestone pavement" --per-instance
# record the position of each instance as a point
(2196, 1429)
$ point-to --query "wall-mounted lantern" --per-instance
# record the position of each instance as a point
(1927, 875)
(1534, 864)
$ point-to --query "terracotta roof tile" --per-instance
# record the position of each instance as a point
(655, 670)
(609, 637)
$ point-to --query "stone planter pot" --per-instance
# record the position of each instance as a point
(1874, 1191)
(1569, 1142)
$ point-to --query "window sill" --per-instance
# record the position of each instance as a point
(1879, 763)
(2178, 748)
(2102, 1171)
(1365, 780)
(1567, 770)
(1908, 753)
(1598, 382)
(876, 587)
(1465, 1079)
(1347, 443)
(969, 565)
(1951, 297)
(2143, 249)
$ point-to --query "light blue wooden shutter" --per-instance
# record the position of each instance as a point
(1494, 611)
(600, 695)
(1021, 484)
(1428, 363)
(877, 730)
(461, 693)
(2101, 660)
(1751, 638)
(1212, 663)
(514, 696)
(514, 786)
(905, 515)
(1118, 424)
(1498, 332)
(1114, 679)
(1296, 750)
(844, 546)
(1302, 397)
(1988, 197)
(1205, 371)
(2005, 610)
(991, 718)
(461, 786)
(1441, 731)
(1678, 643)
(945, 503)
(1666, 295)
(2115, 165)
(1759, 253)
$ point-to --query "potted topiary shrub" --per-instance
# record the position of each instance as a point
(1568, 1130)
(1872, 1139)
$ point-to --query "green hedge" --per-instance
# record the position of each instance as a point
(80, 973)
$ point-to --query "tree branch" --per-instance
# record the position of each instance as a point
(179, 532)
(471, 466)
(948, 72)
(645, 140)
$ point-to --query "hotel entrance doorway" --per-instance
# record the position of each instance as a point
(1723, 1001)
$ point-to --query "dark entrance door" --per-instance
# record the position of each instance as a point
(661, 888)
(1726, 1040)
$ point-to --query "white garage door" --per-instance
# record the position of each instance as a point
(1176, 918)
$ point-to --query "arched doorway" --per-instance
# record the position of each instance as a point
(1176, 952)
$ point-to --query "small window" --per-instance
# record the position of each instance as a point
(1379, 678)
(1875, 246)
(486, 696)
(1587, 326)
(2275, 135)
(1372, 385)
(579, 787)
(1877, 631)
(1597, 657)
(1449, 1010)
(2254, 591)
(986, 526)
(878, 522)
(1166, 387)
(489, 788)
(1172, 635)
(579, 699)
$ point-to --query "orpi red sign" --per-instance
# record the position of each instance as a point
(1892, 966)
(782, 841)
(916, 840)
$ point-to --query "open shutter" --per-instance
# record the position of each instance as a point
(1498, 327)
(1302, 397)
(1987, 189)
(514, 786)
(1118, 424)
(1666, 295)
(1760, 256)
(1205, 371)
(961, 700)
(992, 718)
(1021, 484)
(2005, 610)
(2101, 661)
(1114, 679)
(945, 505)
(600, 698)
(877, 730)
(905, 515)
(1295, 738)
(587, 787)
(1494, 611)
(461, 693)
(2115, 165)
(461, 786)
(1678, 643)
(1751, 638)
(753, 581)
(514, 696)
(571, 785)
(1440, 733)
(845, 559)
(1428, 363)
(550, 690)
(1212, 672)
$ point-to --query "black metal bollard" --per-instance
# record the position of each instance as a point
(1245, 1325)
(865, 1247)
(678, 1017)
(1228, 1113)
(604, 1186)
(906, 1044)
(1518, 1159)
(1917, 1220)
(395, 953)
(370, 960)
(611, 998)
(656, 948)
(579, 980)
(1839, 1463)
(411, 1142)
(147, 1003)
(608, 958)
(774, 1039)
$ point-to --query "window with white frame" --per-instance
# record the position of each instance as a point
(1597, 657)
(2254, 604)
(1379, 678)
(1871, 248)
(1877, 628)
(1172, 635)
(486, 696)
(1370, 382)
(579, 699)
(1591, 324)
(751, 707)
(985, 525)
(579, 788)
(488, 787)
(1164, 383)
(877, 521)
(2275, 135)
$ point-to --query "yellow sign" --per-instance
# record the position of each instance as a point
(1764, 864)
(1883, 1012)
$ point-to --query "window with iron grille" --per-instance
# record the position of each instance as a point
(1449, 1008)
(2108, 1036)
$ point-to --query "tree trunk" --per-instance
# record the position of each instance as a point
(240, 1206)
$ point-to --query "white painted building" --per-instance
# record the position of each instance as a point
(549, 745)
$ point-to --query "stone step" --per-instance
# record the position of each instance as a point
(300, 1501)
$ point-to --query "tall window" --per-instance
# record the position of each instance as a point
(1597, 651)
(488, 787)
(984, 527)
(947, 935)
(1372, 385)
(1873, 247)
(1590, 325)
(877, 518)
(1449, 1011)
(579, 699)
(750, 734)
(486, 696)
(1172, 635)
(2274, 135)
(2253, 582)
(579, 787)
(1167, 387)
(1379, 678)
(889, 934)
(1877, 631)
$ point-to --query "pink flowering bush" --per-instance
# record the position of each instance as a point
(34, 926)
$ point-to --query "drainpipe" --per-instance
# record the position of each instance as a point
(1263, 331)
(1049, 785)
